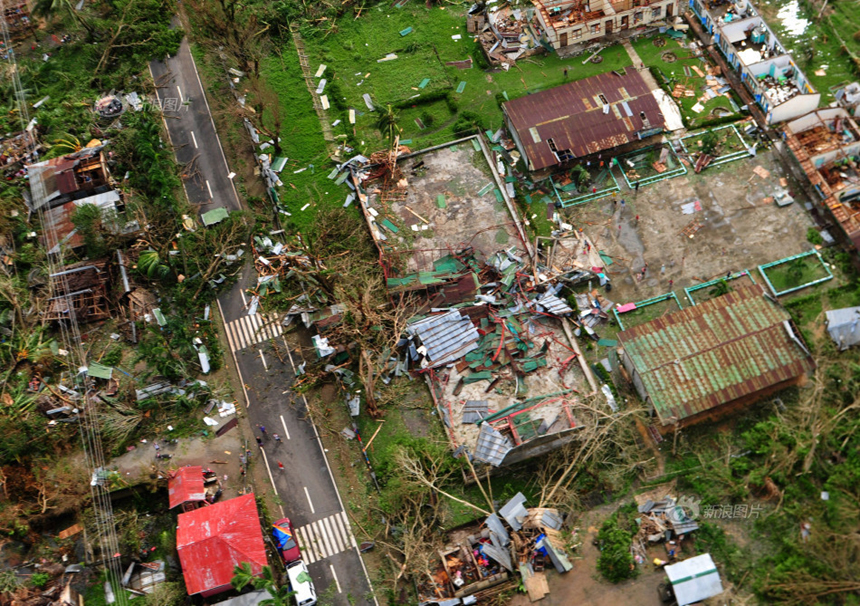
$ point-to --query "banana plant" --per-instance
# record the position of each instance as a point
(150, 265)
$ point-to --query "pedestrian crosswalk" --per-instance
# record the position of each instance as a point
(324, 538)
(253, 329)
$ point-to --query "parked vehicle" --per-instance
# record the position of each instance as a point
(285, 539)
(302, 584)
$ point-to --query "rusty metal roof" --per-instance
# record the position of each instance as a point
(572, 116)
(726, 348)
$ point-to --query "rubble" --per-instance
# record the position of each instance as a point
(480, 560)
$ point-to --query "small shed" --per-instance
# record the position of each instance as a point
(186, 488)
(695, 579)
(844, 326)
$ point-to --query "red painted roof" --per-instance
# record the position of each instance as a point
(572, 116)
(186, 485)
(212, 540)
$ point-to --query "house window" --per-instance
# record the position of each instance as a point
(595, 29)
(602, 98)
(637, 17)
(655, 12)
(577, 33)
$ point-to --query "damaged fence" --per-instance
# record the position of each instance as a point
(650, 165)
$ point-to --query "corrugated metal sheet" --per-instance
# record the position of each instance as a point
(491, 446)
(844, 326)
(514, 511)
(698, 358)
(58, 226)
(498, 529)
(474, 411)
(212, 540)
(447, 336)
(186, 485)
(551, 304)
(567, 115)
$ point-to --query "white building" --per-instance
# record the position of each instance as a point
(765, 67)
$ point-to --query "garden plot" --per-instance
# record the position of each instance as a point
(649, 165)
(722, 144)
(584, 183)
(634, 314)
(795, 273)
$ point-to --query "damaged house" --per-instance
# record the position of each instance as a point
(59, 186)
(489, 333)
(714, 358)
(80, 289)
(826, 144)
(584, 118)
(767, 70)
(516, 542)
(576, 24)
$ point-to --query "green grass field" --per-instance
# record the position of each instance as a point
(351, 56)
(814, 47)
(674, 72)
(796, 273)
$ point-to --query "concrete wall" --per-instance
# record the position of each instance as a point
(794, 107)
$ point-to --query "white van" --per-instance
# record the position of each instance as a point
(301, 583)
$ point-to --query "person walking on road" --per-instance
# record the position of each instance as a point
(277, 438)
(259, 441)
(262, 429)
(280, 466)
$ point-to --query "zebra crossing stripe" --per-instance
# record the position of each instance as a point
(306, 546)
(325, 537)
(250, 330)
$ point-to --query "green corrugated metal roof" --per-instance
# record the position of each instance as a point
(159, 317)
(214, 216)
(726, 348)
(99, 371)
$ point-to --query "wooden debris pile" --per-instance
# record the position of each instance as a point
(665, 521)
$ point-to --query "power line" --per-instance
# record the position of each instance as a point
(70, 334)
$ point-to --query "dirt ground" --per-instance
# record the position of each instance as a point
(219, 454)
(740, 230)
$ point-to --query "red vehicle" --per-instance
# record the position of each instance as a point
(285, 538)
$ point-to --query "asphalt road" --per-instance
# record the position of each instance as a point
(192, 132)
(266, 368)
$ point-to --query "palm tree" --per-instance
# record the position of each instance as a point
(243, 576)
(387, 123)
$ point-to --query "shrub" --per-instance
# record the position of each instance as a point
(39, 579)
(615, 562)
(468, 123)
(814, 237)
(427, 118)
